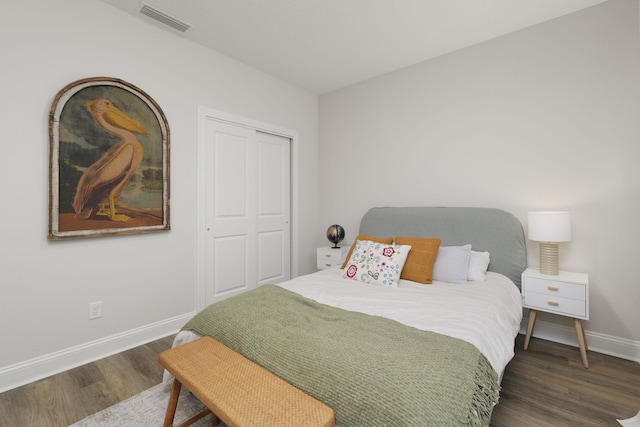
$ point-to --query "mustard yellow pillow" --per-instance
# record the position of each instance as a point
(387, 241)
(419, 264)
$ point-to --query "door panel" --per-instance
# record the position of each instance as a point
(271, 265)
(270, 176)
(230, 174)
(230, 259)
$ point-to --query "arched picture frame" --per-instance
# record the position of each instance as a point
(108, 161)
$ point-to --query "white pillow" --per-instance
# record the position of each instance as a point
(452, 264)
(478, 264)
(377, 263)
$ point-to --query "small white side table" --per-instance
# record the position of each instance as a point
(329, 257)
(566, 294)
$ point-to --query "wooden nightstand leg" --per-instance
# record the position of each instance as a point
(584, 336)
(582, 341)
(530, 325)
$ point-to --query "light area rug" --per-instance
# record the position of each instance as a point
(147, 409)
(631, 422)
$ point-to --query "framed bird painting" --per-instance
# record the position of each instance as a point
(108, 161)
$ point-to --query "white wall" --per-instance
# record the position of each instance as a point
(146, 282)
(544, 118)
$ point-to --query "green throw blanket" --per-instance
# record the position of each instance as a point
(370, 370)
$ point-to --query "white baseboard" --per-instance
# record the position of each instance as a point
(22, 373)
(601, 343)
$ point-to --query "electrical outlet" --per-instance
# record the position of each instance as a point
(95, 310)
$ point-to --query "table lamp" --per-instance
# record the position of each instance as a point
(549, 228)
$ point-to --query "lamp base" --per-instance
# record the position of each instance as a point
(549, 258)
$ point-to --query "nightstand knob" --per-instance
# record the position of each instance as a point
(553, 303)
(327, 255)
(553, 288)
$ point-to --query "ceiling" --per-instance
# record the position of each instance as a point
(324, 45)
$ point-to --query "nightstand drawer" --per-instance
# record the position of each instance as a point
(553, 288)
(559, 305)
(328, 263)
(331, 254)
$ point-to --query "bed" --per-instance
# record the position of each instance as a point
(411, 353)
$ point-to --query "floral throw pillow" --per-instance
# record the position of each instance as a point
(377, 263)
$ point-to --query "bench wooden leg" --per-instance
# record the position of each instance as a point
(214, 419)
(173, 403)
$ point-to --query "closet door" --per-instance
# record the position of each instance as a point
(247, 189)
(274, 207)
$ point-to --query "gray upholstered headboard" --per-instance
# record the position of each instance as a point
(493, 230)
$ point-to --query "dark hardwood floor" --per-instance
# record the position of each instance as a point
(70, 396)
(548, 386)
(544, 386)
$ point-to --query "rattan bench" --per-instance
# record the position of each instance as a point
(236, 390)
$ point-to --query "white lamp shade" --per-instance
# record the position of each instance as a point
(549, 226)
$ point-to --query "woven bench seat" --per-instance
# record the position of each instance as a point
(236, 390)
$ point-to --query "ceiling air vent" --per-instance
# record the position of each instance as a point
(164, 18)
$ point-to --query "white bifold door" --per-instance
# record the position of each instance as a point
(247, 191)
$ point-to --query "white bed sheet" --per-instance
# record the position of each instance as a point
(486, 314)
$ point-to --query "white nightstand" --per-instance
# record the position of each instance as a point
(566, 294)
(329, 257)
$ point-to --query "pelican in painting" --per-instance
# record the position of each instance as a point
(102, 183)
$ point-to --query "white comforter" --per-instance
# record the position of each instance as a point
(485, 314)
